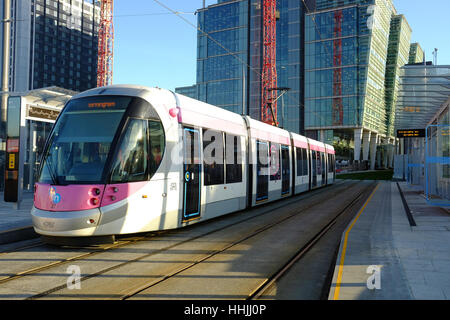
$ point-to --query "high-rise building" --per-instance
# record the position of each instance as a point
(339, 58)
(53, 43)
(229, 57)
(397, 56)
(222, 54)
(416, 54)
(353, 51)
(188, 91)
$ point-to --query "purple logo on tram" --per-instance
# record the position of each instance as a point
(54, 197)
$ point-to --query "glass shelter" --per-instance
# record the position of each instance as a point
(40, 108)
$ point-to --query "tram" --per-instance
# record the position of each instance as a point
(126, 159)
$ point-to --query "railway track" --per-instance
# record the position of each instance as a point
(259, 286)
(300, 254)
(100, 262)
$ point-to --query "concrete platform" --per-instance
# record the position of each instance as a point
(383, 257)
(15, 224)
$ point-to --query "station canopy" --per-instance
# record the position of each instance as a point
(51, 96)
(45, 104)
(423, 90)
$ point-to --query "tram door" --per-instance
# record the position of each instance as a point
(286, 170)
(262, 170)
(192, 174)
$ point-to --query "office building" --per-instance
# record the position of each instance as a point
(397, 56)
(188, 91)
(221, 72)
(354, 49)
(416, 54)
(229, 58)
(53, 43)
(340, 60)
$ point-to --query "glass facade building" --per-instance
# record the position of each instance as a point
(416, 54)
(53, 43)
(64, 44)
(188, 91)
(346, 51)
(222, 54)
(231, 78)
(397, 56)
(354, 49)
(340, 59)
(333, 80)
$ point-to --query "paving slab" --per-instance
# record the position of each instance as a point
(15, 224)
(383, 257)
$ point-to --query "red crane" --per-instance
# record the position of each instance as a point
(269, 73)
(105, 44)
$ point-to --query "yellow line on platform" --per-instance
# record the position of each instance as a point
(344, 247)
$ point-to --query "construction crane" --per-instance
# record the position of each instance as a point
(105, 44)
(269, 72)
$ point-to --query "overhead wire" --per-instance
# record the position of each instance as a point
(230, 52)
(179, 14)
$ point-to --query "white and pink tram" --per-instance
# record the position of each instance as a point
(127, 159)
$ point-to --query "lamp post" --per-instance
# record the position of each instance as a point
(283, 91)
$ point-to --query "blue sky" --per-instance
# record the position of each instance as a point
(154, 47)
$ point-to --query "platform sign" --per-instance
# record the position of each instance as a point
(411, 133)
(14, 157)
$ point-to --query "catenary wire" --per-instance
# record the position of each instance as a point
(228, 51)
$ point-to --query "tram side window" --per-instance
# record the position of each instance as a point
(233, 158)
(305, 161)
(314, 162)
(299, 161)
(324, 164)
(275, 167)
(213, 157)
(302, 162)
(131, 159)
(319, 163)
(156, 145)
(330, 163)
